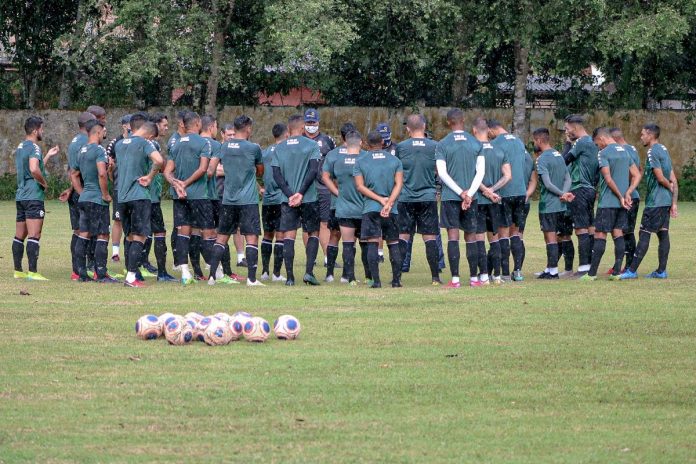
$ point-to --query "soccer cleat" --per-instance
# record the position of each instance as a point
(237, 277)
(548, 276)
(436, 283)
(507, 278)
(139, 276)
(566, 274)
(150, 268)
(329, 279)
(119, 276)
(242, 263)
(405, 268)
(107, 279)
(517, 276)
(485, 282)
(145, 273)
(135, 284)
(255, 283)
(657, 275)
(588, 278)
(615, 277)
(265, 276)
(289, 283)
(475, 283)
(344, 280)
(380, 258)
(396, 284)
(74, 276)
(199, 278)
(228, 280)
(165, 277)
(188, 281)
(23, 275)
(497, 280)
(278, 278)
(309, 279)
(369, 282)
(84, 279)
(376, 285)
(610, 271)
(35, 276)
(115, 258)
(211, 281)
(628, 275)
(453, 285)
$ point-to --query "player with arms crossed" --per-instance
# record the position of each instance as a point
(270, 212)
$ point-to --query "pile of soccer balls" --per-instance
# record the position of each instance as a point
(219, 329)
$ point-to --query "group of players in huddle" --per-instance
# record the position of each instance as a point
(368, 190)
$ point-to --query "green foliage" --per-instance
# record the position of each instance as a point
(8, 187)
(687, 180)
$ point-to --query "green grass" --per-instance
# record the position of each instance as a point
(531, 372)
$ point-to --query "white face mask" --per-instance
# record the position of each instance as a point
(311, 129)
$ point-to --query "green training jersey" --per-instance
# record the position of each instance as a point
(90, 155)
(516, 155)
(495, 159)
(378, 169)
(186, 154)
(292, 156)
(529, 168)
(552, 163)
(340, 165)
(330, 158)
(271, 192)
(418, 159)
(215, 148)
(27, 187)
(76, 144)
(636, 160)
(157, 181)
(460, 150)
(239, 158)
(584, 169)
(133, 160)
(658, 158)
(619, 162)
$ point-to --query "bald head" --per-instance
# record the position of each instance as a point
(480, 129)
(455, 119)
(415, 125)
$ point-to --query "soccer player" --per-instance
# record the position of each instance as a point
(584, 171)
(29, 197)
(69, 194)
(90, 179)
(517, 239)
(460, 165)
(389, 145)
(243, 162)
(418, 203)
(490, 209)
(135, 176)
(379, 177)
(629, 231)
(619, 177)
(186, 173)
(553, 172)
(117, 227)
(227, 133)
(660, 204)
(295, 165)
(270, 211)
(514, 193)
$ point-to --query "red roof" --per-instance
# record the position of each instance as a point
(296, 97)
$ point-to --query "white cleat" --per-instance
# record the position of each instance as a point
(211, 281)
(329, 279)
(255, 283)
(279, 278)
(265, 276)
(344, 280)
(177, 268)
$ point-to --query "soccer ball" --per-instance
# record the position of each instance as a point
(148, 327)
(163, 319)
(201, 326)
(178, 331)
(224, 317)
(217, 333)
(194, 327)
(194, 316)
(256, 329)
(238, 321)
(287, 327)
(242, 313)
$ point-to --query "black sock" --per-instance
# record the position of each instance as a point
(18, 253)
(517, 249)
(619, 251)
(551, 255)
(147, 246)
(600, 245)
(482, 257)
(396, 261)
(494, 253)
(207, 249)
(289, 257)
(409, 253)
(126, 251)
(363, 258)
(90, 253)
(101, 248)
(568, 254)
(181, 251)
(266, 251)
(505, 256)
(630, 239)
(584, 249)
(73, 241)
(453, 256)
(472, 257)
(523, 255)
(194, 253)
(252, 257)
(440, 252)
(312, 250)
(134, 254)
(172, 241)
(403, 244)
(433, 258)
(372, 261)
(349, 260)
(331, 255)
(216, 255)
(161, 253)
(33, 253)
(641, 250)
(277, 258)
(662, 250)
(81, 256)
(227, 261)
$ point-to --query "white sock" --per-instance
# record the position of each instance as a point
(584, 268)
(130, 277)
(473, 279)
(115, 249)
(218, 273)
(553, 271)
(185, 272)
(326, 260)
(484, 278)
(380, 252)
(455, 280)
(240, 257)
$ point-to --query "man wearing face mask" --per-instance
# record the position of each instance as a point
(326, 144)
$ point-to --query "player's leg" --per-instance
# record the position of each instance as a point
(549, 228)
(348, 238)
(239, 247)
(35, 214)
(581, 211)
(663, 248)
(390, 233)
(278, 248)
(310, 223)
(100, 230)
(250, 227)
(605, 222)
(332, 245)
(139, 218)
(18, 248)
(194, 252)
(428, 225)
(629, 233)
(453, 256)
(266, 241)
(182, 222)
(290, 221)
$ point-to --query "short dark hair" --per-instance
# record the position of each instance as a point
(228, 126)
(242, 122)
(415, 121)
(181, 115)
(455, 115)
(653, 128)
(96, 110)
(374, 139)
(158, 117)
(346, 128)
(575, 119)
(83, 118)
(32, 123)
(295, 119)
(150, 128)
(541, 133)
(494, 124)
(353, 137)
(91, 124)
(600, 132)
(279, 129)
(207, 121)
(190, 118)
(137, 120)
(480, 124)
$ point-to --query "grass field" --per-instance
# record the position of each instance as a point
(530, 372)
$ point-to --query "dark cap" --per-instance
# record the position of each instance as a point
(126, 119)
(311, 115)
(384, 130)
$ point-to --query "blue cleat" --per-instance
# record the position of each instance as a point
(627, 275)
(657, 275)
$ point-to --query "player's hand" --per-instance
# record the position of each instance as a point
(628, 201)
(624, 205)
(386, 211)
(673, 211)
(107, 198)
(180, 190)
(295, 200)
(383, 201)
(52, 152)
(145, 181)
(64, 195)
(671, 186)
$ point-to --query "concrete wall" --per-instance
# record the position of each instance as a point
(60, 126)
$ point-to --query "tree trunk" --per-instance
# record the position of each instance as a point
(519, 104)
(218, 52)
(460, 81)
(65, 98)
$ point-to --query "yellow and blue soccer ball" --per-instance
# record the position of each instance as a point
(217, 333)
(148, 327)
(287, 327)
(256, 329)
(178, 331)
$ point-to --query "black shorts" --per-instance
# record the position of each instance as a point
(554, 222)
(116, 207)
(195, 213)
(94, 218)
(136, 217)
(514, 211)
(523, 222)
(30, 209)
(305, 215)
(324, 199)
(632, 217)
(74, 210)
(242, 217)
(333, 221)
(655, 219)
(216, 212)
(608, 219)
(582, 207)
(373, 225)
(157, 219)
(489, 218)
(351, 223)
(453, 216)
(270, 217)
(418, 216)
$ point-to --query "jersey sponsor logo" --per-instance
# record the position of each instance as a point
(293, 142)
(184, 139)
(349, 161)
(319, 142)
(418, 143)
(126, 141)
(555, 153)
(233, 145)
(509, 137)
(620, 149)
(343, 151)
(487, 145)
(83, 150)
(378, 155)
(74, 139)
(460, 138)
